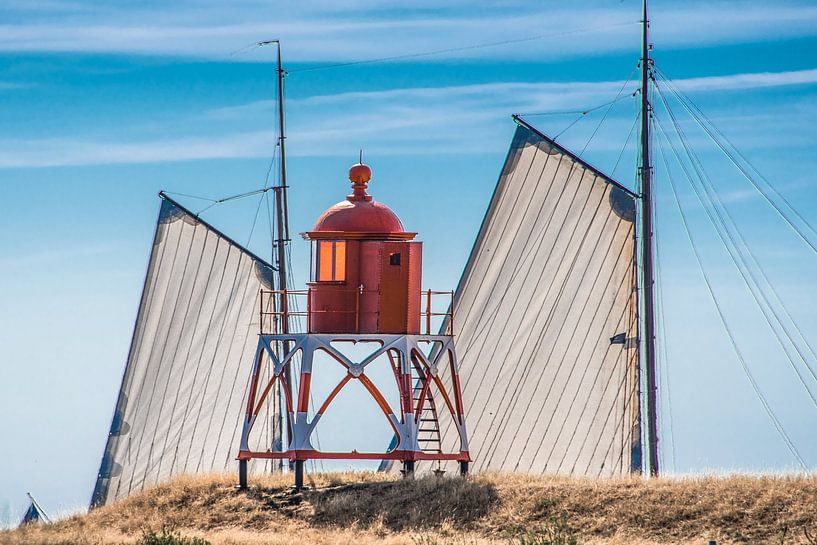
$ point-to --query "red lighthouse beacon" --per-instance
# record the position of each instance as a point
(366, 270)
(364, 290)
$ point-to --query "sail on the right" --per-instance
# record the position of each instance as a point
(545, 320)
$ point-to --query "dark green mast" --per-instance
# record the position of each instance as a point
(647, 263)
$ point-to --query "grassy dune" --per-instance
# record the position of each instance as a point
(364, 508)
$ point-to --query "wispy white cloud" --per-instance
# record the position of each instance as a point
(316, 40)
(422, 120)
(527, 97)
(758, 80)
(73, 152)
(327, 32)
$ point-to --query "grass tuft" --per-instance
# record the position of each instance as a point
(556, 532)
(169, 536)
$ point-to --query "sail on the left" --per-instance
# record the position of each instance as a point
(180, 405)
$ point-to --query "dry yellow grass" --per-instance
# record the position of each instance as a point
(364, 508)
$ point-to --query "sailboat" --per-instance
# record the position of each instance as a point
(35, 514)
(547, 309)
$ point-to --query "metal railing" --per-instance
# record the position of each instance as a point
(447, 316)
(297, 310)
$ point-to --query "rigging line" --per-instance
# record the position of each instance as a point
(713, 132)
(662, 322)
(189, 196)
(247, 47)
(577, 112)
(751, 284)
(271, 229)
(661, 325)
(269, 167)
(635, 316)
(233, 198)
(255, 220)
(663, 352)
(583, 114)
(747, 372)
(560, 133)
(688, 103)
(734, 250)
(626, 142)
(242, 195)
(714, 195)
(462, 48)
(607, 111)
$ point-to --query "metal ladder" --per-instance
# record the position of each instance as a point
(428, 431)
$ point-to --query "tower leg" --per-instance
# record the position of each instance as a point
(463, 468)
(242, 474)
(299, 475)
(408, 469)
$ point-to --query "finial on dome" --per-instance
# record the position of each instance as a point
(359, 175)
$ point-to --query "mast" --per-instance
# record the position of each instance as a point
(281, 214)
(279, 256)
(281, 200)
(647, 251)
(282, 228)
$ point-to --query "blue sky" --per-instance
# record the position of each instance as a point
(104, 104)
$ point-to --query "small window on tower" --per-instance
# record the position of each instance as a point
(394, 259)
(329, 261)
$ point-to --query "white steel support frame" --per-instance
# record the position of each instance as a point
(425, 354)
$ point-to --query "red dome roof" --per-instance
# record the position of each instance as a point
(359, 214)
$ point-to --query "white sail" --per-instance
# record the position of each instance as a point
(181, 402)
(545, 320)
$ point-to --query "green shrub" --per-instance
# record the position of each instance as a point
(168, 536)
(556, 532)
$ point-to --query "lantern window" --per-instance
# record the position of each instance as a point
(329, 261)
